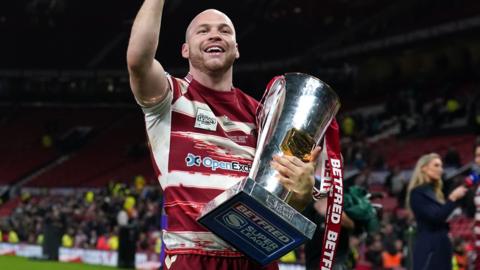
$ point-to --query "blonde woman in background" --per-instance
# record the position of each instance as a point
(432, 248)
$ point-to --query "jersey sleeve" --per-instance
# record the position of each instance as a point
(163, 107)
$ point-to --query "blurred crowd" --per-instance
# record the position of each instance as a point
(91, 219)
(417, 110)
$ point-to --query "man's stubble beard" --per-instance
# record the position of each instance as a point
(201, 64)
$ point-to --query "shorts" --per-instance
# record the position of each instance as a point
(203, 262)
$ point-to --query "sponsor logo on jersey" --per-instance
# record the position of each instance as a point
(205, 119)
(208, 162)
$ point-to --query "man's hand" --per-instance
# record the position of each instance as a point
(321, 208)
(297, 176)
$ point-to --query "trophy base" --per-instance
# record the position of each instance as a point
(256, 222)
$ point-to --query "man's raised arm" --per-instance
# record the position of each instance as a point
(147, 77)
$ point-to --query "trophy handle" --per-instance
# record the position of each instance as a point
(268, 113)
(272, 99)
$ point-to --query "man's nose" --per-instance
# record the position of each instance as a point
(214, 35)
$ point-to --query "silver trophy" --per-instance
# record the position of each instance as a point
(254, 215)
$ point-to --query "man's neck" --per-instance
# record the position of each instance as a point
(220, 82)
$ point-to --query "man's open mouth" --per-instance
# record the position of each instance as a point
(214, 49)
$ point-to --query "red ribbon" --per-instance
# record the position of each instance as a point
(333, 217)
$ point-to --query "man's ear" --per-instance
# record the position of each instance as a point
(237, 52)
(185, 52)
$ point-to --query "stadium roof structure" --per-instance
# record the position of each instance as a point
(60, 34)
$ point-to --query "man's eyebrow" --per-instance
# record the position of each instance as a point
(209, 25)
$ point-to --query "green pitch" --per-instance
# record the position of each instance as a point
(19, 263)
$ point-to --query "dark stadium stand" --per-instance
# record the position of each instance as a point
(405, 152)
(92, 163)
(98, 156)
(109, 127)
(21, 146)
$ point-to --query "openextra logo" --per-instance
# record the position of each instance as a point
(208, 162)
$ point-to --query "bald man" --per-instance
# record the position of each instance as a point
(202, 134)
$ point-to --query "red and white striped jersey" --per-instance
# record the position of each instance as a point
(202, 142)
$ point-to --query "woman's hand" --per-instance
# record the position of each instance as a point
(457, 193)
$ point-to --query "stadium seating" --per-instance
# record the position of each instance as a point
(103, 157)
(405, 152)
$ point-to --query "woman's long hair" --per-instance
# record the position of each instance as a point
(420, 178)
